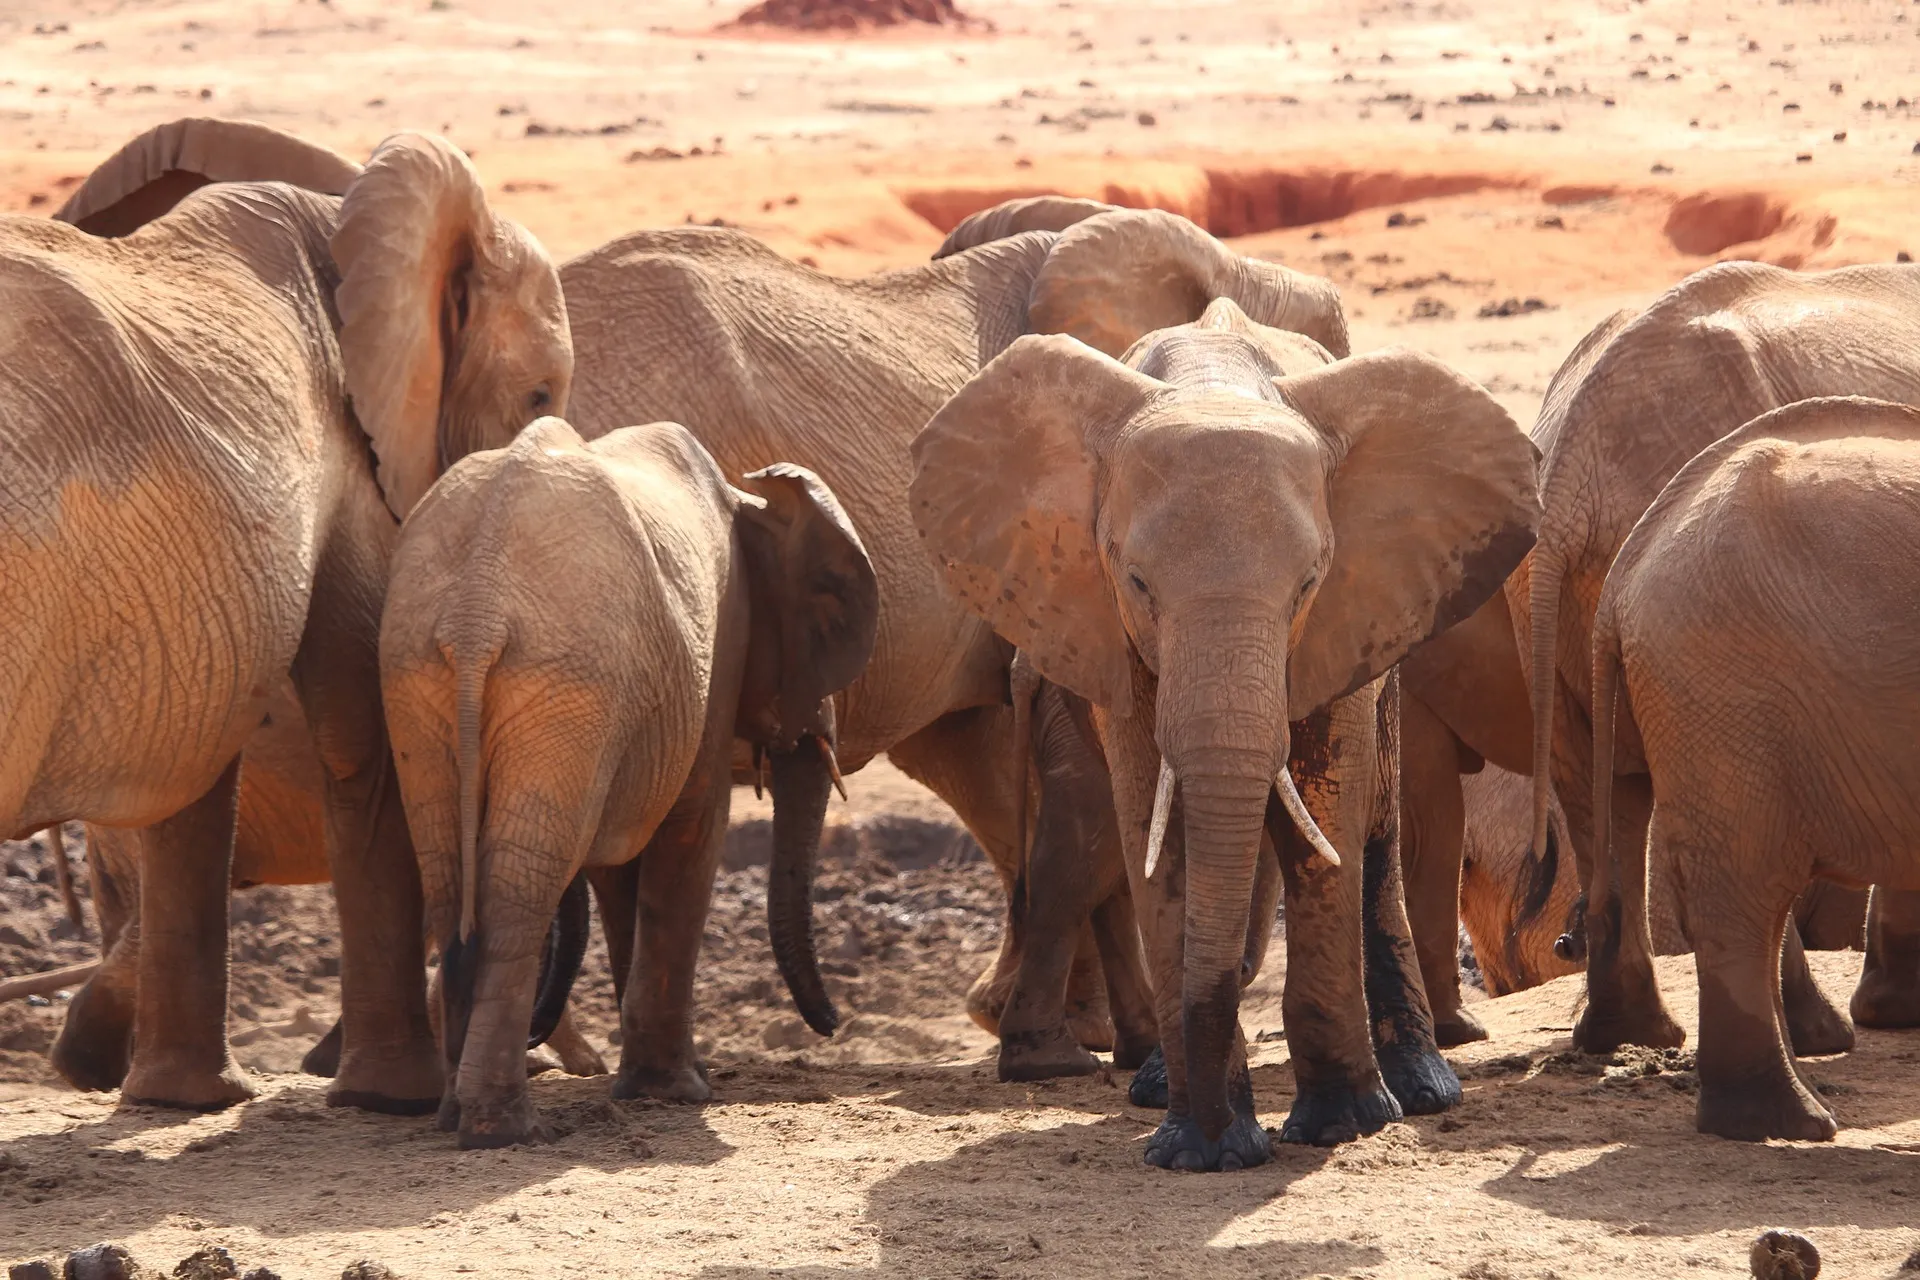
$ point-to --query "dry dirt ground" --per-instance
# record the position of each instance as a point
(1483, 180)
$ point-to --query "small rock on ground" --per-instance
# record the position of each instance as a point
(1783, 1255)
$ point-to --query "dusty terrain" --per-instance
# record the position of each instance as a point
(1483, 180)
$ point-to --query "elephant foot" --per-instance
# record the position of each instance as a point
(1751, 1111)
(1180, 1145)
(1092, 1029)
(669, 1084)
(408, 1084)
(1043, 1055)
(88, 1059)
(1331, 1114)
(487, 1124)
(1130, 1054)
(1419, 1079)
(324, 1058)
(987, 1000)
(1149, 1087)
(1457, 1028)
(1598, 1032)
(1816, 1027)
(173, 1084)
(1884, 1001)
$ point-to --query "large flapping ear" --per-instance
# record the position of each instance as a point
(411, 228)
(1433, 502)
(813, 577)
(1119, 275)
(155, 171)
(1011, 217)
(1003, 493)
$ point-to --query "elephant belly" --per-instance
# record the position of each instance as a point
(143, 625)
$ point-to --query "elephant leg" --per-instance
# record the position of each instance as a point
(617, 892)
(1049, 908)
(674, 891)
(1814, 1024)
(1624, 1005)
(1571, 773)
(181, 1057)
(95, 1044)
(389, 1061)
(1749, 1089)
(966, 758)
(1432, 839)
(577, 1055)
(1889, 990)
(1136, 1033)
(1340, 1092)
(1402, 1021)
(324, 1058)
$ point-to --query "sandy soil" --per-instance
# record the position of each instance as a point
(1542, 164)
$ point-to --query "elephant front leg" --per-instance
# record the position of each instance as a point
(1340, 1092)
(1889, 992)
(1403, 1029)
(181, 1057)
(1623, 995)
(95, 1044)
(1432, 833)
(674, 891)
(388, 1061)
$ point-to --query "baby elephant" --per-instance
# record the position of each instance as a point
(574, 636)
(1761, 621)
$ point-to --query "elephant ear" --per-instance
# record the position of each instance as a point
(1433, 502)
(1003, 492)
(816, 603)
(155, 171)
(1119, 275)
(1011, 217)
(412, 229)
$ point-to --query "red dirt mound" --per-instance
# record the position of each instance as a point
(853, 15)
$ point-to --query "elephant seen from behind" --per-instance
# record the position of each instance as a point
(575, 636)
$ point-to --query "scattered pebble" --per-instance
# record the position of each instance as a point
(208, 1263)
(102, 1262)
(1783, 1255)
(1512, 307)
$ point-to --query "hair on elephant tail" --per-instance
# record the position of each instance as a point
(1538, 875)
(801, 779)
(560, 960)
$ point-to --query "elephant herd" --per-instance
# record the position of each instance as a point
(330, 549)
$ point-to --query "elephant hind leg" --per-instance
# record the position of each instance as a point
(1889, 992)
(1815, 1025)
(1749, 1089)
(1433, 830)
(1129, 997)
(181, 1057)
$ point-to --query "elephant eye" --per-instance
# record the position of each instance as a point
(541, 400)
(1138, 583)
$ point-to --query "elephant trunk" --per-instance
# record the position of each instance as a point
(560, 961)
(801, 780)
(1223, 728)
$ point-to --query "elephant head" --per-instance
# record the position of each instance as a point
(816, 610)
(1258, 544)
(452, 331)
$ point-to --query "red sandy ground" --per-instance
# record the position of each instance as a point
(1434, 161)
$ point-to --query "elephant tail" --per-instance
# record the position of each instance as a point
(471, 669)
(1023, 683)
(1606, 686)
(63, 877)
(1543, 608)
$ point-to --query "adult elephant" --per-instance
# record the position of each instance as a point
(209, 427)
(1771, 695)
(765, 360)
(1223, 543)
(1639, 396)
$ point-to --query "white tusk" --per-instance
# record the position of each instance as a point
(1297, 810)
(1162, 807)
